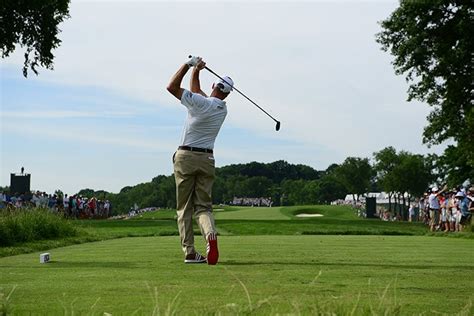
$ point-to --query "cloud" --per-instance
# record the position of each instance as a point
(315, 66)
(129, 138)
(59, 114)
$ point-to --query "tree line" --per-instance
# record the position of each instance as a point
(294, 184)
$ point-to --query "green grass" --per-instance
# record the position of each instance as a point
(252, 213)
(160, 214)
(32, 224)
(272, 262)
(256, 275)
(339, 220)
(336, 220)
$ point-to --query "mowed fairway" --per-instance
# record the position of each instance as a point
(257, 274)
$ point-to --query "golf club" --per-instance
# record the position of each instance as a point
(277, 127)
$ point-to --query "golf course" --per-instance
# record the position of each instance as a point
(236, 158)
(271, 262)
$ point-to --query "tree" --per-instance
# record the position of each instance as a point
(415, 173)
(355, 174)
(453, 167)
(386, 161)
(403, 172)
(32, 24)
(432, 43)
(330, 189)
(89, 193)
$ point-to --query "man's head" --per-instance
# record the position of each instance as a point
(460, 195)
(434, 190)
(222, 88)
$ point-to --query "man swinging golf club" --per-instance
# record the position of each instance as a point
(194, 166)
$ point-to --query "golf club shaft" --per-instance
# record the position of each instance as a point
(241, 93)
(208, 69)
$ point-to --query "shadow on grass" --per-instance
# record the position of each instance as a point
(92, 264)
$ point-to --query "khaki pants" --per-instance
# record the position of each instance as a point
(434, 216)
(194, 173)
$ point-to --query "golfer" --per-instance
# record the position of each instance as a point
(194, 165)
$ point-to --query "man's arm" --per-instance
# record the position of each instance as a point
(174, 87)
(442, 191)
(195, 84)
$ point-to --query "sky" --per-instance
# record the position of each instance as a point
(102, 119)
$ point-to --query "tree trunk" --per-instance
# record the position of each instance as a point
(390, 202)
(403, 207)
(397, 212)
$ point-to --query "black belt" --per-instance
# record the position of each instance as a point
(201, 150)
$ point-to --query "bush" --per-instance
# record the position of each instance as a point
(32, 224)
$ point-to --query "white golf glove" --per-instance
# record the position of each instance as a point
(193, 61)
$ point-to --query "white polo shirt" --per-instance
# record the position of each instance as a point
(205, 118)
(433, 200)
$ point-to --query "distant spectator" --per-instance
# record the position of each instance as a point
(411, 213)
(451, 211)
(443, 221)
(65, 204)
(92, 204)
(434, 207)
(426, 211)
(463, 206)
(107, 208)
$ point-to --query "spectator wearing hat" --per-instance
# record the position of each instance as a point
(463, 205)
(470, 196)
(434, 206)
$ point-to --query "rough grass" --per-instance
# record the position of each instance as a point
(32, 224)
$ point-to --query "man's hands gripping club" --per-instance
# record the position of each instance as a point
(196, 61)
(195, 83)
(174, 87)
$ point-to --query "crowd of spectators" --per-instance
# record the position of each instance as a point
(74, 206)
(134, 211)
(441, 210)
(245, 201)
(445, 210)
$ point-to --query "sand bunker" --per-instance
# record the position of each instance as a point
(309, 215)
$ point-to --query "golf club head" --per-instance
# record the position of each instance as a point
(277, 127)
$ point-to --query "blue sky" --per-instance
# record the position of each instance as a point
(103, 119)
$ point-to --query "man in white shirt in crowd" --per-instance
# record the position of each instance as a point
(194, 166)
(434, 207)
(66, 204)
